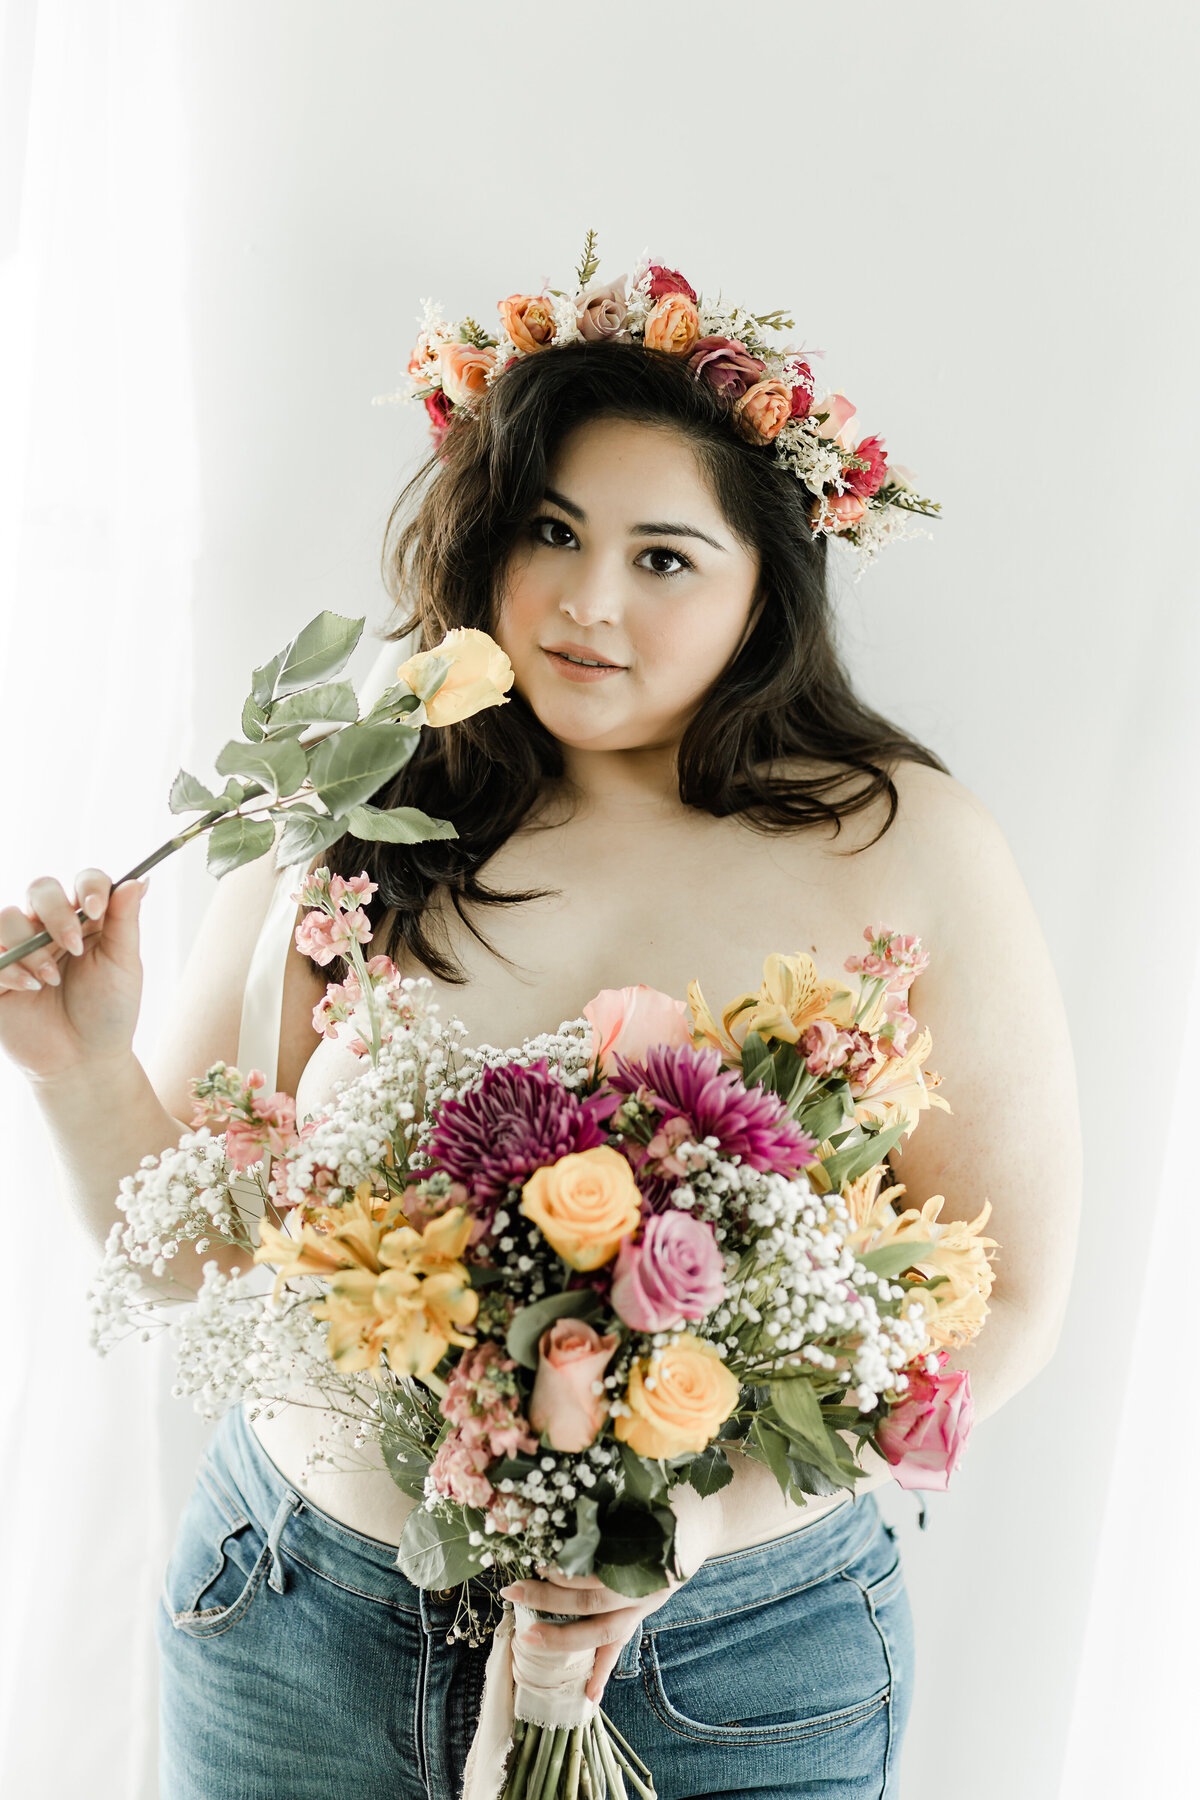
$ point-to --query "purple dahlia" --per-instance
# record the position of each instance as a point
(513, 1121)
(748, 1122)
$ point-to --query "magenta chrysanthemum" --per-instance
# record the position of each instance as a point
(748, 1122)
(513, 1121)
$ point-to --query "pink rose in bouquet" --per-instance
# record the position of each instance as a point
(628, 1021)
(924, 1437)
(572, 1357)
(802, 391)
(675, 1272)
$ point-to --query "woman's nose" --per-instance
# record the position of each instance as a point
(593, 598)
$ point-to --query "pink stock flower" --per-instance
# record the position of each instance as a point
(628, 1021)
(572, 1356)
(924, 1437)
(270, 1131)
(823, 1047)
(457, 1471)
(669, 281)
(323, 936)
(675, 1272)
(358, 885)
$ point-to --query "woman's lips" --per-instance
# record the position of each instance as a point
(561, 660)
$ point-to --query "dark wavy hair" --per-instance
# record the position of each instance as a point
(783, 698)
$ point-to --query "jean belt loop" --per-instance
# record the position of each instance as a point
(287, 1506)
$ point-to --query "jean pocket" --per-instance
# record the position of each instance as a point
(218, 1562)
(804, 1665)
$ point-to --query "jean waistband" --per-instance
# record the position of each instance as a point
(724, 1583)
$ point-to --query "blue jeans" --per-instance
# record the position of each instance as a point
(298, 1663)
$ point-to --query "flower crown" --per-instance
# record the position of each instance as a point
(858, 498)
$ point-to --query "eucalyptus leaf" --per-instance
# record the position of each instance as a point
(280, 764)
(232, 842)
(579, 1551)
(322, 649)
(435, 1552)
(528, 1324)
(334, 700)
(305, 834)
(890, 1260)
(709, 1472)
(406, 1466)
(848, 1164)
(190, 795)
(399, 825)
(353, 764)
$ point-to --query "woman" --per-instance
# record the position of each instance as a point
(684, 783)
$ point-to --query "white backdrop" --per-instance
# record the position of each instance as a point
(216, 224)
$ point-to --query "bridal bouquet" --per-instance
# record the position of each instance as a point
(548, 1284)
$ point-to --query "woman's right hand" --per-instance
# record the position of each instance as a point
(75, 1001)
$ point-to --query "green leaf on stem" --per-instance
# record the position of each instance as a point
(644, 1480)
(796, 1403)
(305, 834)
(393, 703)
(280, 764)
(322, 649)
(399, 825)
(190, 795)
(349, 767)
(232, 842)
(891, 1260)
(254, 719)
(828, 1109)
(262, 681)
(635, 1547)
(848, 1164)
(808, 1479)
(758, 1067)
(335, 700)
(709, 1472)
(529, 1322)
(435, 1552)
(406, 1466)
(430, 676)
(773, 1450)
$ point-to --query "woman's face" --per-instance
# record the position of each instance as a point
(628, 593)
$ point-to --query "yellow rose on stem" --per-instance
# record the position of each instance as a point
(480, 675)
(583, 1205)
(678, 1399)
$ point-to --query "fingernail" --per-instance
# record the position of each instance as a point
(30, 983)
(73, 939)
(49, 973)
(93, 906)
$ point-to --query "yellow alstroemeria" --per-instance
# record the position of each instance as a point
(330, 1239)
(898, 1089)
(956, 1307)
(792, 996)
(412, 1304)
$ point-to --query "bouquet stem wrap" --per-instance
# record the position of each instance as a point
(522, 1682)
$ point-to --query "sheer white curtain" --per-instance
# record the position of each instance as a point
(99, 507)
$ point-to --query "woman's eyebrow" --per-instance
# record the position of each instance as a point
(651, 529)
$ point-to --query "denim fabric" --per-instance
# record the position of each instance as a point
(298, 1663)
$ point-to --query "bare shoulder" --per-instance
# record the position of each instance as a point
(948, 848)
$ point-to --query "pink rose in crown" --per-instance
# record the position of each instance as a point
(572, 1355)
(802, 391)
(726, 365)
(669, 281)
(762, 411)
(439, 407)
(629, 1021)
(868, 481)
(675, 1272)
(600, 311)
(837, 513)
(925, 1436)
(834, 413)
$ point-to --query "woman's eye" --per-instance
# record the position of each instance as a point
(673, 556)
(554, 525)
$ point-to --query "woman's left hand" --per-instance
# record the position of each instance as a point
(605, 1620)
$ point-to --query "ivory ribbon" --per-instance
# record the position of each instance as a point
(522, 1681)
